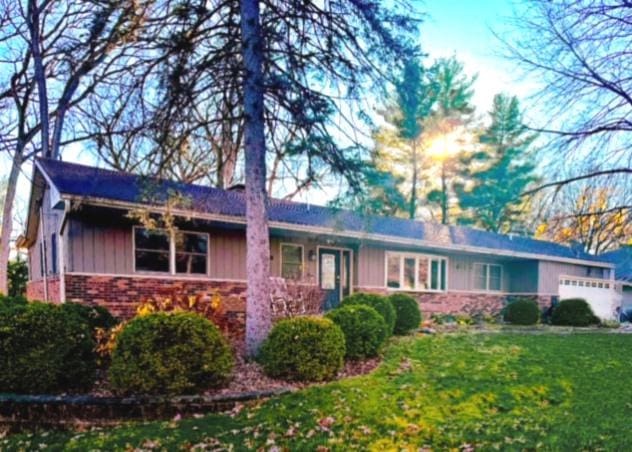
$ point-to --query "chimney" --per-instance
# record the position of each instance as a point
(240, 188)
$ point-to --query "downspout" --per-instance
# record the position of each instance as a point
(62, 254)
(44, 252)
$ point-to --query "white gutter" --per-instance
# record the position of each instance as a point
(345, 234)
(43, 253)
(61, 265)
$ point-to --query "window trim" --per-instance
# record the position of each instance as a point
(417, 256)
(487, 288)
(172, 253)
(299, 245)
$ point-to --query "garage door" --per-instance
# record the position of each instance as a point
(599, 293)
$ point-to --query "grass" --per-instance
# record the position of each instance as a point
(482, 391)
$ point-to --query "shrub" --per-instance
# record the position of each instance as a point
(522, 312)
(378, 302)
(18, 276)
(95, 316)
(169, 354)
(44, 349)
(303, 348)
(407, 313)
(8, 302)
(364, 329)
(573, 312)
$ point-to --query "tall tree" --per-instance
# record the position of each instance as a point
(50, 48)
(499, 172)
(258, 315)
(591, 213)
(577, 51)
(453, 109)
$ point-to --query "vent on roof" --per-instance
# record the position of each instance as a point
(238, 188)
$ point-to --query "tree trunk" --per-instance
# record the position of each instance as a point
(38, 73)
(258, 316)
(7, 221)
(412, 208)
(444, 195)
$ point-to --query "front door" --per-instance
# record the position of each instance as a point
(333, 275)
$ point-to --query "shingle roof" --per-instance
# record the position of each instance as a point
(622, 259)
(86, 181)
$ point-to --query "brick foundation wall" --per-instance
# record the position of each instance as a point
(453, 302)
(35, 290)
(121, 294)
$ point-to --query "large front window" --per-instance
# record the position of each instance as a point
(416, 272)
(487, 277)
(170, 252)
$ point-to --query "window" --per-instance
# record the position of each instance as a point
(191, 253)
(415, 272)
(291, 261)
(152, 250)
(164, 252)
(487, 277)
(53, 254)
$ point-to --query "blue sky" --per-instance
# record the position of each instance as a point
(464, 28)
(452, 27)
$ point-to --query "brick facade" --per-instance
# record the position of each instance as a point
(35, 290)
(121, 294)
(463, 302)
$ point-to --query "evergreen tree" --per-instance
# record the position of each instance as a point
(399, 144)
(453, 98)
(499, 173)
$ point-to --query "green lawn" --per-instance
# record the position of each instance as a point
(489, 391)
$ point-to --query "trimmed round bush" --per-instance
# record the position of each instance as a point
(378, 302)
(522, 312)
(44, 349)
(573, 312)
(304, 349)
(95, 316)
(407, 313)
(364, 329)
(169, 354)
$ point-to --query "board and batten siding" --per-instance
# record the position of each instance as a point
(50, 222)
(550, 272)
(109, 250)
(517, 276)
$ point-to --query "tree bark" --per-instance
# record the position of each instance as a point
(39, 75)
(7, 221)
(412, 209)
(444, 195)
(258, 316)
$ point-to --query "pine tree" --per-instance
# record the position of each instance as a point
(399, 144)
(499, 173)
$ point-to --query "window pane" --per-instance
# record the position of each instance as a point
(409, 273)
(152, 261)
(443, 274)
(494, 277)
(434, 274)
(191, 263)
(291, 261)
(392, 272)
(327, 271)
(191, 243)
(480, 276)
(422, 273)
(151, 240)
